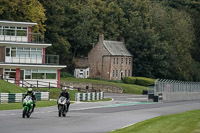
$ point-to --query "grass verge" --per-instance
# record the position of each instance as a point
(187, 122)
(11, 106)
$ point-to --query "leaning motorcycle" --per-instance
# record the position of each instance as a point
(62, 106)
(27, 106)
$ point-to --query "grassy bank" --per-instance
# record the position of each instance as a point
(128, 88)
(6, 87)
(187, 122)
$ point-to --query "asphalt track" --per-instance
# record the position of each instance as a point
(100, 117)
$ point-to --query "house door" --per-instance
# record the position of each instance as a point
(8, 55)
(121, 75)
(21, 74)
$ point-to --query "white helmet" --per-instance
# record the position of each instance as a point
(64, 88)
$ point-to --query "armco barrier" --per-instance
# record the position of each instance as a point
(17, 97)
(89, 96)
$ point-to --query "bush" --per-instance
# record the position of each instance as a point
(66, 74)
(129, 80)
(144, 81)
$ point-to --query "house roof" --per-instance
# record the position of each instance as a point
(116, 48)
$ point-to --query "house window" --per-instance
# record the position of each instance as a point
(122, 60)
(129, 74)
(113, 73)
(125, 73)
(129, 60)
(126, 61)
(114, 60)
(116, 73)
(87, 73)
(117, 60)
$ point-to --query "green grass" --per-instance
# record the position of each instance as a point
(187, 122)
(128, 88)
(6, 87)
(55, 92)
(11, 106)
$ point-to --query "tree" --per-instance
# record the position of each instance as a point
(24, 10)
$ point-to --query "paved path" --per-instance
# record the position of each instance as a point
(98, 117)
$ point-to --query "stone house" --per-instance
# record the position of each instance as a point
(110, 60)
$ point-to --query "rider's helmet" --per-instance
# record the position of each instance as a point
(30, 91)
(64, 89)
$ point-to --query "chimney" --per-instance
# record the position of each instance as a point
(101, 38)
(122, 39)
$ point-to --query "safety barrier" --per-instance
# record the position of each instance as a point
(17, 97)
(89, 96)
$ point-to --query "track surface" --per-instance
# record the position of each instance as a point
(98, 117)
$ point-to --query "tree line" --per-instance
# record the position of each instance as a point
(162, 35)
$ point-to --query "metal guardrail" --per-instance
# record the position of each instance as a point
(34, 59)
(165, 85)
(11, 36)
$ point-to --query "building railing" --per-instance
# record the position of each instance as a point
(11, 36)
(34, 59)
(165, 85)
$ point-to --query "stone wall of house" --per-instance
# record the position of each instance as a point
(81, 62)
(121, 67)
(2, 54)
(94, 87)
(95, 59)
(106, 67)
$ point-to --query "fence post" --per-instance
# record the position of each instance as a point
(49, 85)
(37, 83)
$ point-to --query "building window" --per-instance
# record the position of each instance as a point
(40, 74)
(114, 60)
(113, 73)
(129, 74)
(129, 60)
(122, 60)
(125, 73)
(87, 73)
(7, 51)
(117, 60)
(13, 52)
(116, 73)
(126, 61)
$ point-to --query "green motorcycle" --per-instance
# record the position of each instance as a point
(27, 106)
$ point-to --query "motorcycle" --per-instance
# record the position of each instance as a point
(27, 106)
(62, 106)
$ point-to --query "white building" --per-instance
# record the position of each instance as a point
(81, 72)
(23, 58)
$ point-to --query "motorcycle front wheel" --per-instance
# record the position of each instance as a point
(24, 112)
(60, 110)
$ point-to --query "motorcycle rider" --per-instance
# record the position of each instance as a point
(64, 93)
(31, 93)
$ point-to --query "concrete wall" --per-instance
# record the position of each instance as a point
(95, 87)
(180, 96)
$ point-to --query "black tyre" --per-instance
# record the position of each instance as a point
(24, 112)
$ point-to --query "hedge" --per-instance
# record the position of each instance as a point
(139, 81)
